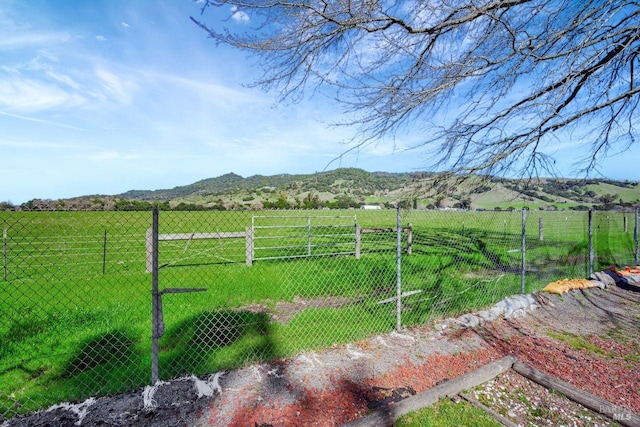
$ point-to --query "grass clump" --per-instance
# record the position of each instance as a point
(445, 413)
(576, 342)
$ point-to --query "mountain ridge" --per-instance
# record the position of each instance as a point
(353, 187)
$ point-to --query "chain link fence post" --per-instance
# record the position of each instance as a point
(398, 269)
(104, 254)
(523, 249)
(4, 252)
(635, 236)
(590, 237)
(156, 309)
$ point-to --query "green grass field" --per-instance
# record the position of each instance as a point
(75, 296)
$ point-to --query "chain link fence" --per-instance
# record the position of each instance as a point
(97, 303)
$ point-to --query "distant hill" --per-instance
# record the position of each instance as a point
(352, 188)
(334, 181)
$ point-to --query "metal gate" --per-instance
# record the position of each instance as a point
(283, 237)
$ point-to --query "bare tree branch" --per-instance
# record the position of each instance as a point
(490, 84)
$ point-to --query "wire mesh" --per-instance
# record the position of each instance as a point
(460, 261)
(75, 308)
(613, 239)
(239, 287)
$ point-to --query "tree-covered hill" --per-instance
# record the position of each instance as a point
(353, 188)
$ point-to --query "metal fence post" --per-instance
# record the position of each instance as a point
(253, 236)
(308, 236)
(523, 249)
(590, 237)
(398, 270)
(156, 309)
(358, 241)
(4, 251)
(635, 235)
(104, 253)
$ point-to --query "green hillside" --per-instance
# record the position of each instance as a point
(352, 188)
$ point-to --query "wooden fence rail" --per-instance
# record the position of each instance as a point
(247, 235)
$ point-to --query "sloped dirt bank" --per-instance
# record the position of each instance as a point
(588, 338)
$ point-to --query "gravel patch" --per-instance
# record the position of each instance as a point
(527, 403)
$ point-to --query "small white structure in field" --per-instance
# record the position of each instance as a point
(370, 207)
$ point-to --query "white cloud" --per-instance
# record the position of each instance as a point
(124, 24)
(385, 148)
(36, 120)
(42, 59)
(101, 38)
(214, 93)
(29, 95)
(62, 78)
(22, 41)
(115, 86)
(46, 83)
(48, 63)
(239, 16)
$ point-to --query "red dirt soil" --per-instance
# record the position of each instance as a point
(349, 400)
(600, 364)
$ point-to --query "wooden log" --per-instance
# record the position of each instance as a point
(388, 415)
(586, 399)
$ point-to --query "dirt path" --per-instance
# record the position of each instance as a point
(589, 338)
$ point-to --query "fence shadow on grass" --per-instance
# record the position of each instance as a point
(472, 269)
(107, 363)
(471, 248)
(114, 347)
(214, 340)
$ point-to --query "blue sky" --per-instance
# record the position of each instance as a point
(105, 96)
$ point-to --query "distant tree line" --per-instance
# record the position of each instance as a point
(339, 189)
(607, 202)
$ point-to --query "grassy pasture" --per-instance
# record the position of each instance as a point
(76, 301)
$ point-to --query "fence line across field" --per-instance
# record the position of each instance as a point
(76, 246)
(251, 238)
(247, 235)
(345, 238)
(291, 236)
(329, 279)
